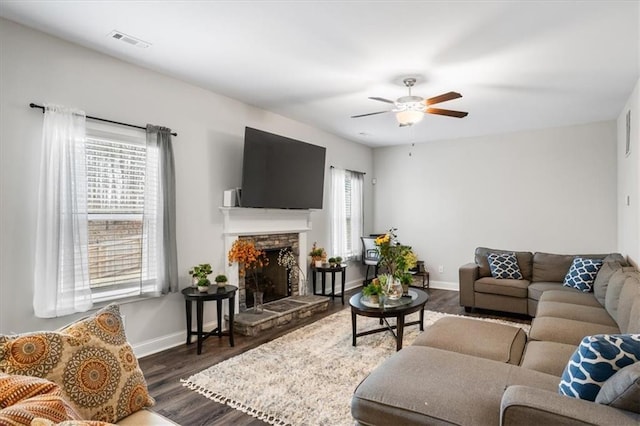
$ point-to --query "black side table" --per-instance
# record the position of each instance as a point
(342, 269)
(215, 293)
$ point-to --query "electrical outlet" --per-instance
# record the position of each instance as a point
(440, 268)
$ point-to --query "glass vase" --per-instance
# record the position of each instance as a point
(258, 302)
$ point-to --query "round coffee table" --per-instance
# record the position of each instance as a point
(395, 309)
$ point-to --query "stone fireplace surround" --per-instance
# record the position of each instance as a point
(268, 228)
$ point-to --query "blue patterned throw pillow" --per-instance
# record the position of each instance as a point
(582, 274)
(504, 266)
(595, 360)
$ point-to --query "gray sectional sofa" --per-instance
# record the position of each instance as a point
(467, 372)
(541, 272)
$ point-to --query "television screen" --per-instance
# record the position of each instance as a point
(282, 173)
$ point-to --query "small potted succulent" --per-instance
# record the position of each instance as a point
(221, 280)
(373, 291)
(338, 260)
(201, 273)
(332, 262)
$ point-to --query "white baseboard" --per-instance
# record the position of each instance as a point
(444, 285)
(159, 344)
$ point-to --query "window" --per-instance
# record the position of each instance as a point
(346, 212)
(116, 176)
(106, 214)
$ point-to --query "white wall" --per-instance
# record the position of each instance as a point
(35, 67)
(629, 180)
(547, 190)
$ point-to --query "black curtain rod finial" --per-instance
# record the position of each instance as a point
(32, 105)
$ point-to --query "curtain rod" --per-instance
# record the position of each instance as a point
(352, 171)
(32, 105)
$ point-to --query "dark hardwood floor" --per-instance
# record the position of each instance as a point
(164, 370)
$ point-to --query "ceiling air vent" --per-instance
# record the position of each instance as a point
(117, 35)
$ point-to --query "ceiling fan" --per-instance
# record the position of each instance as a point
(411, 109)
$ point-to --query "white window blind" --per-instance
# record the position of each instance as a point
(116, 168)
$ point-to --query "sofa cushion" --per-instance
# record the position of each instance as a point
(634, 317)
(604, 275)
(547, 357)
(550, 267)
(524, 261)
(630, 291)
(616, 282)
(395, 393)
(596, 359)
(90, 360)
(553, 267)
(622, 390)
(592, 314)
(582, 273)
(504, 266)
(24, 398)
(513, 288)
(573, 297)
(537, 289)
(567, 331)
(498, 342)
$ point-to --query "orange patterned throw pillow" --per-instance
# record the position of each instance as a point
(23, 398)
(90, 360)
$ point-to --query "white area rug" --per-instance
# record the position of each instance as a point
(306, 377)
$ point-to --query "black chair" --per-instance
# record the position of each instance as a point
(370, 256)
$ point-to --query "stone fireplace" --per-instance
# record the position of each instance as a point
(273, 278)
(271, 230)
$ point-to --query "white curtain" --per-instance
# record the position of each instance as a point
(338, 213)
(357, 213)
(61, 277)
(346, 213)
(159, 237)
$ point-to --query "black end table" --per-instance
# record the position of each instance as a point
(342, 269)
(215, 293)
(418, 300)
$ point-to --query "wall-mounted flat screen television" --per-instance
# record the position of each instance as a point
(281, 173)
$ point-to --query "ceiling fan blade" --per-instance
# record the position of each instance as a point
(382, 100)
(442, 98)
(371, 113)
(447, 112)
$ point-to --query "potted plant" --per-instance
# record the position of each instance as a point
(221, 280)
(332, 262)
(372, 291)
(317, 255)
(406, 279)
(249, 259)
(338, 260)
(201, 273)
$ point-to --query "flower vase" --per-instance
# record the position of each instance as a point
(394, 289)
(258, 300)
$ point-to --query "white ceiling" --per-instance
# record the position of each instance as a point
(518, 64)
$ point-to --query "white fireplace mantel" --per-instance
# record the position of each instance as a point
(239, 221)
(253, 221)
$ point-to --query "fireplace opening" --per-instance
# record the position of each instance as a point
(273, 279)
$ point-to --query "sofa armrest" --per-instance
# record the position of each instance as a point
(524, 405)
(468, 274)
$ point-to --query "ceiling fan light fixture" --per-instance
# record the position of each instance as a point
(409, 117)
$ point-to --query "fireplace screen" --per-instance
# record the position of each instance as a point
(273, 279)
